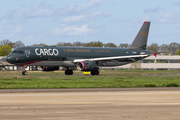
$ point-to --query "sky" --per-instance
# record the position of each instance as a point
(117, 21)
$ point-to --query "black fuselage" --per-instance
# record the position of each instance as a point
(64, 56)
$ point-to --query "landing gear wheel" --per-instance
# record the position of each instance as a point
(68, 72)
(92, 73)
(95, 72)
(24, 73)
(71, 72)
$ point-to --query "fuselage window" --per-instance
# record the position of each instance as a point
(18, 52)
(15, 52)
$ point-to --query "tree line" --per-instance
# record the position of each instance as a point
(172, 48)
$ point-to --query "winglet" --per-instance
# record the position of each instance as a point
(155, 54)
(144, 22)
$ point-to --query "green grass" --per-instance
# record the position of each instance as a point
(102, 72)
(43, 82)
(87, 81)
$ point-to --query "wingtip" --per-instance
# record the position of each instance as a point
(155, 54)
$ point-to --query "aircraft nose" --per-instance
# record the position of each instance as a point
(8, 59)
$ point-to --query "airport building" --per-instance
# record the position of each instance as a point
(165, 62)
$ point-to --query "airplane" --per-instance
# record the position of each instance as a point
(83, 58)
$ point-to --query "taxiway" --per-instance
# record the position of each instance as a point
(91, 104)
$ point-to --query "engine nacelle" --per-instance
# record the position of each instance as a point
(49, 68)
(86, 66)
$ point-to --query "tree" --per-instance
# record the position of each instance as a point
(5, 50)
(59, 44)
(173, 47)
(18, 44)
(110, 45)
(79, 44)
(4, 42)
(41, 44)
(64, 44)
(164, 48)
(11, 45)
(95, 44)
(178, 52)
(154, 47)
(7, 42)
(124, 45)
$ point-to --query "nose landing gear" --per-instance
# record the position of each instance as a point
(24, 72)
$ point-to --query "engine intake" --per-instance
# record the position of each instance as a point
(86, 66)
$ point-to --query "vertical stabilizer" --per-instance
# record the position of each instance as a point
(140, 41)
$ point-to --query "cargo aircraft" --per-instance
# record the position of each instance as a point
(84, 58)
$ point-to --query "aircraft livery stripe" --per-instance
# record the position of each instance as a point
(29, 63)
(83, 65)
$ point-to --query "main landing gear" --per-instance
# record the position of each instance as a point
(68, 72)
(95, 72)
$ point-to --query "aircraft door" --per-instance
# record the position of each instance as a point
(27, 52)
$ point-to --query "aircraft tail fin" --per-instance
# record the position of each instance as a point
(140, 41)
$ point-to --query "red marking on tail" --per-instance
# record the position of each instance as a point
(155, 54)
(144, 22)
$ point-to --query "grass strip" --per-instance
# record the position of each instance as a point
(102, 72)
(50, 82)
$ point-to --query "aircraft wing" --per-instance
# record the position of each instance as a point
(154, 53)
(109, 58)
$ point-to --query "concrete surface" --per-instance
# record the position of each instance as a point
(91, 105)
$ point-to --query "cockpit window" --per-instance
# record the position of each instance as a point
(18, 52)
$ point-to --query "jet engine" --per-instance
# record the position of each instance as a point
(48, 68)
(86, 66)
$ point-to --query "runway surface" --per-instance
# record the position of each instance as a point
(91, 104)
